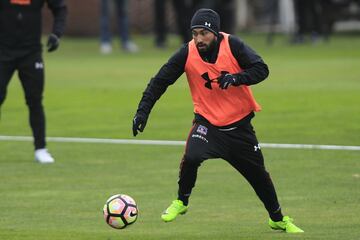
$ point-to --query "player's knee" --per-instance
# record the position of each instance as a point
(2, 98)
(2, 95)
(34, 102)
(193, 158)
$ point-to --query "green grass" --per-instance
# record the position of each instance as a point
(311, 97)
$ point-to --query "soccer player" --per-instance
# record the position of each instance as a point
(21, 50)
(219, 69)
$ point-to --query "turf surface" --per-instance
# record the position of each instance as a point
(311, 97)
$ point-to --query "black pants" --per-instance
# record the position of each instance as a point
(183, 16)
(239, 147)
(309, 16)
(31, 74)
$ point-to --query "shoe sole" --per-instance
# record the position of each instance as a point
(43, 162)
(284, 230)
(166, 221)
(277, 229)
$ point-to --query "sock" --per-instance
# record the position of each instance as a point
(184, 198)
(277, 215)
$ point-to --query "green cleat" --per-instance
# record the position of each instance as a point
(177, 207)
(285, 225)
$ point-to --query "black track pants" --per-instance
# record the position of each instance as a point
(239, 147)
(31, 74)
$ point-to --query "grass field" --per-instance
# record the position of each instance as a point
(311, 97)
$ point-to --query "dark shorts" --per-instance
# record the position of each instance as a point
(233, 144)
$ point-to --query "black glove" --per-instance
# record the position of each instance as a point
(226, 80)
(139, 123)
(52, 43)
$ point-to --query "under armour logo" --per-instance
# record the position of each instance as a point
(207, 24)
(256, 147)
(206, 77)
(39, 65)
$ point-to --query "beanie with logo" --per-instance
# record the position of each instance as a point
(206, 18)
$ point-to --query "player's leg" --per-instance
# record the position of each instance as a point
(256, 174)
(31, 74)
(160, 23)
(200, 146)
(123, 26)
(105, 33)
(247, 158)
(7, 69)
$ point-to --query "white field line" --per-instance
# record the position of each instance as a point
(173, 143)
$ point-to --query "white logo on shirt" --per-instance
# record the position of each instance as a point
(39, 65)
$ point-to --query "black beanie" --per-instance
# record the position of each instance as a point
(206, 18)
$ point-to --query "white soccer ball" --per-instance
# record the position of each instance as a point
(120, 211)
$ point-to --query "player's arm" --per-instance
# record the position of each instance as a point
(59, 11)
(254, 68)
(157, 86)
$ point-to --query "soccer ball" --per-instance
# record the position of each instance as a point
(120, 211)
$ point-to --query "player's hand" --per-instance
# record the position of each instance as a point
(226, 80)
(52, 43)
(139, 123)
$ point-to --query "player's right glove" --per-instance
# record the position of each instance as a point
(139, 123)
(227, 79)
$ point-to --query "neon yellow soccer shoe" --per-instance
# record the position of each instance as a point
(177, 207)
(286, 225)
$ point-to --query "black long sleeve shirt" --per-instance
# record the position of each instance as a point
(21, 23)
(255, 70)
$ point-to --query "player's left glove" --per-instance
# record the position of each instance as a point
(139, 123)
(52, 43)
(227, 79)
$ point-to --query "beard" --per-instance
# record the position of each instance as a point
(203, 48)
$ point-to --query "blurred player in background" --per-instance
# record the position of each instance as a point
(21, 51)
(121, 7)
(182, 11)
(219, 68)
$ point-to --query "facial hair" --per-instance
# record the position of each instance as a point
(208, 48)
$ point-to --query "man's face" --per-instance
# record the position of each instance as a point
(203, 38)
